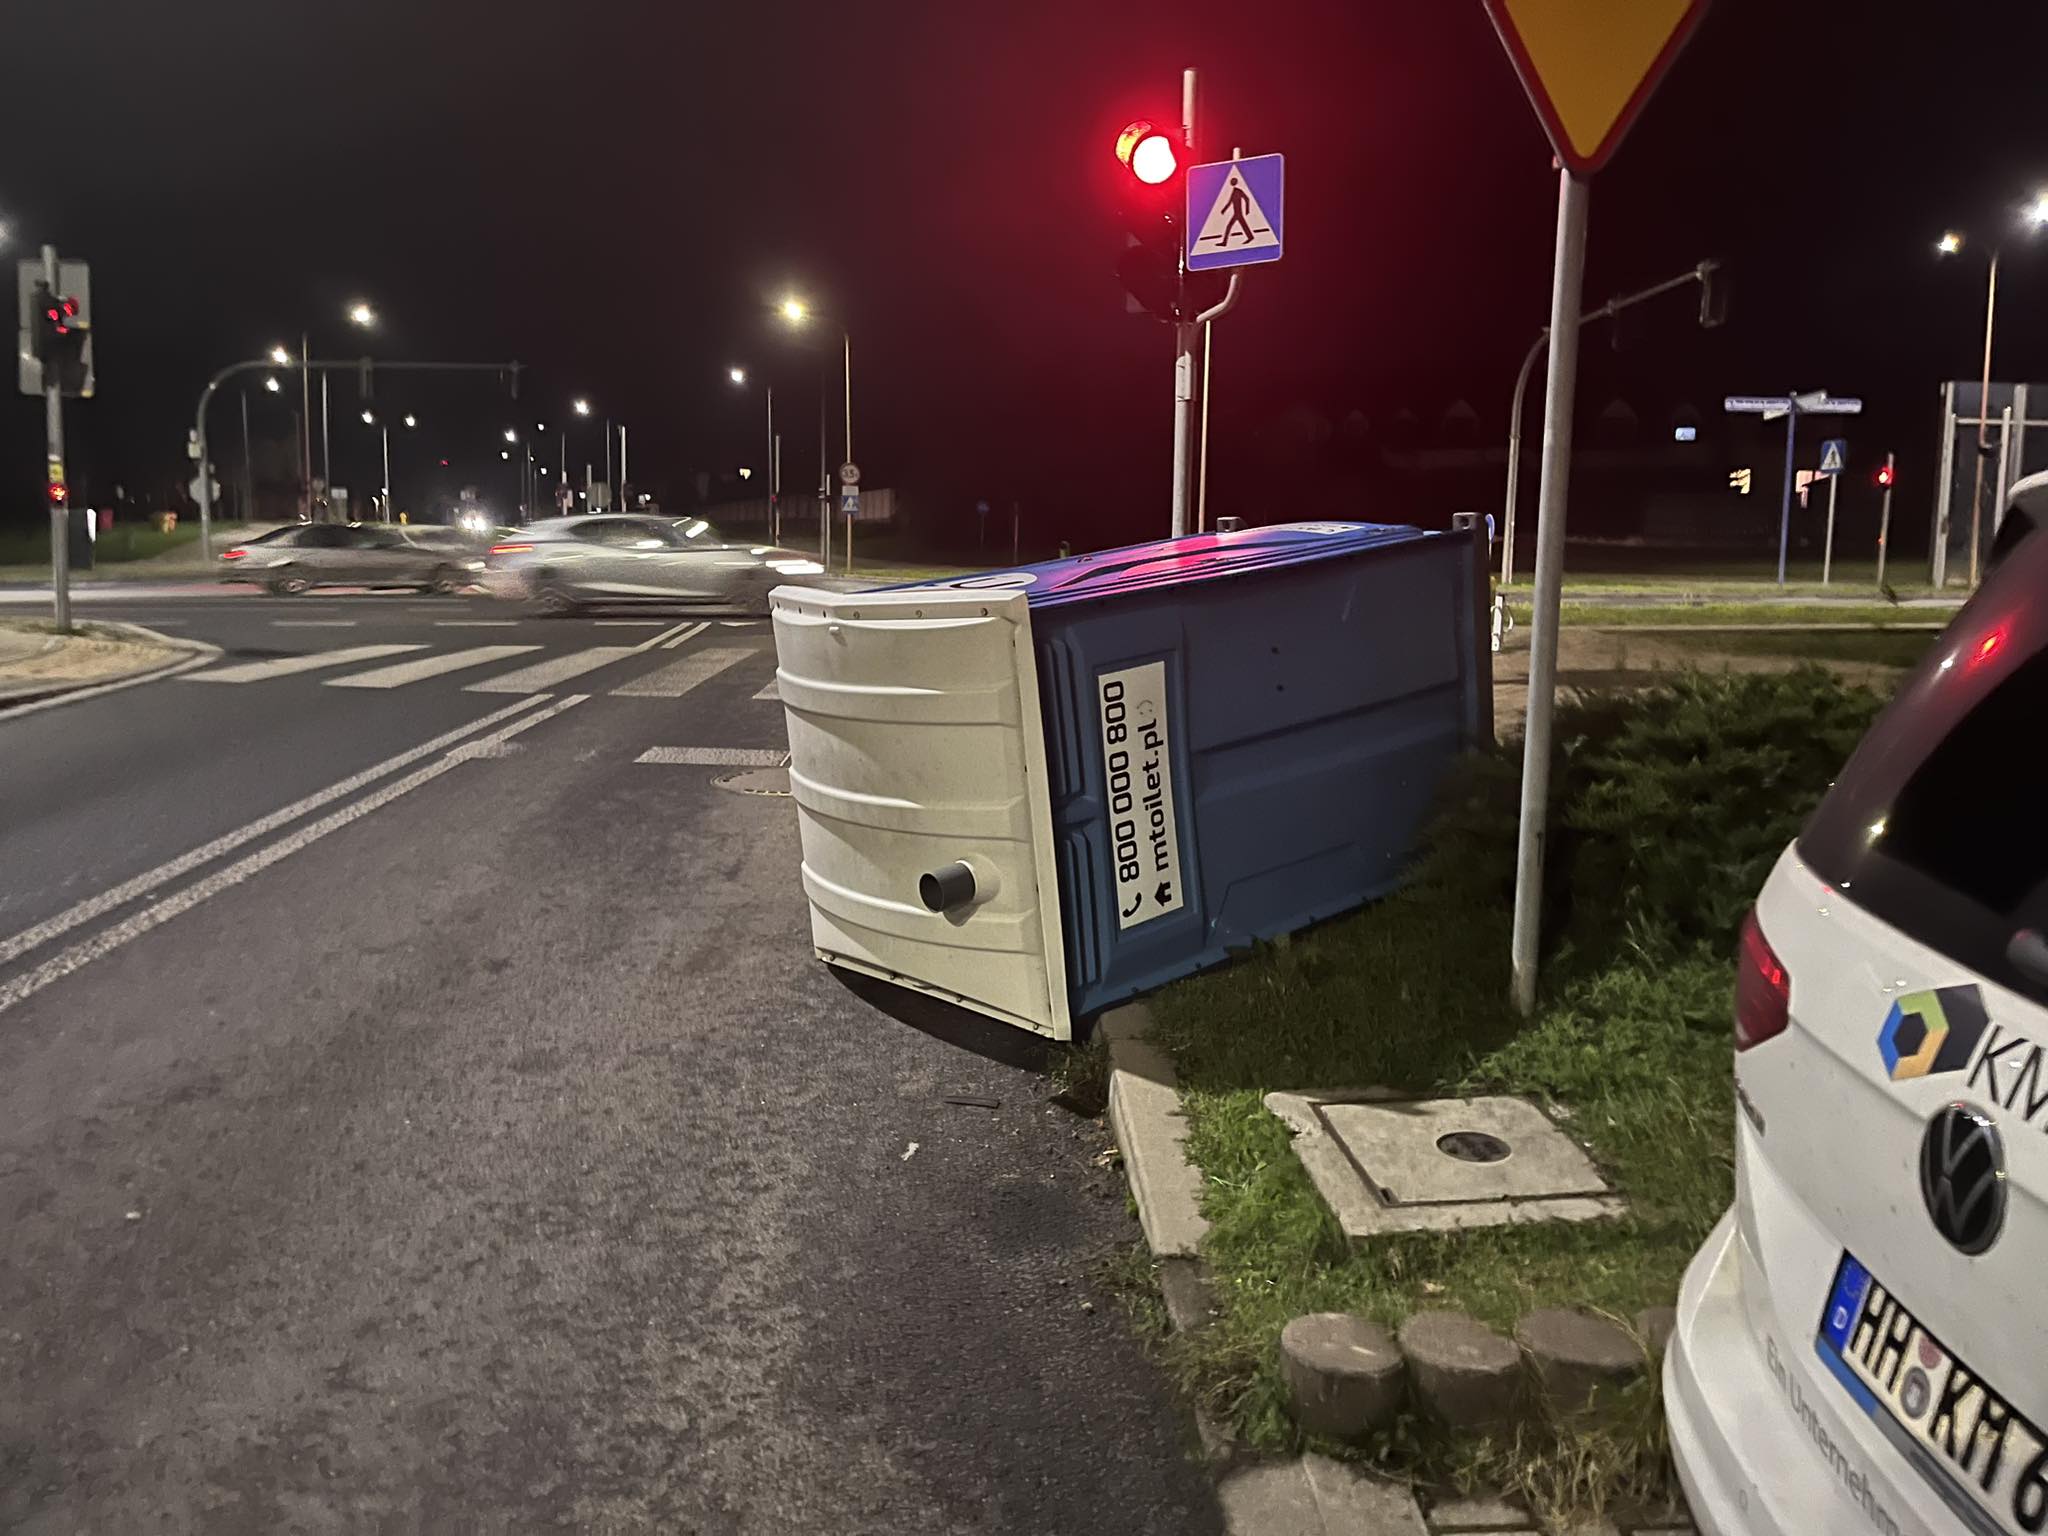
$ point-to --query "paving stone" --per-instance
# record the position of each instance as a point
(1190, 1299)
(1345, 1376)
(1353, 1503)
(1579, 1359)
(1655, 1325)
(1486, 1512)
(1464, 1373)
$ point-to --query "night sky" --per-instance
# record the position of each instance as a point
(614, 194)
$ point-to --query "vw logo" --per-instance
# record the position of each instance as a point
(1962, 1177)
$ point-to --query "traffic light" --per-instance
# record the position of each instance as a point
(1150, 265)
(1885, 476)
(62, 337)
(1151, 202)
(1713, 295)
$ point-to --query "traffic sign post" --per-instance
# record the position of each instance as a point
(849, 504)
(1832, 453)
(1816, 402)
(1588, 67)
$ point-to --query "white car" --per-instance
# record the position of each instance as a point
(1862, 1343)
(566, 564)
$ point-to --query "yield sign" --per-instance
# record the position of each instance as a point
(1589, 65)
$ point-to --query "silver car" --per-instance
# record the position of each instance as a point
(567, 563)
(290, 560)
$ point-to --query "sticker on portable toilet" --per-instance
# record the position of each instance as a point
(1138, 765)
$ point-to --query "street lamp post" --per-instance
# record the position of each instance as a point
(2033, 217)
(797, 313)
(774, 471)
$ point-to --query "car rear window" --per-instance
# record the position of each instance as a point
(1936, 824)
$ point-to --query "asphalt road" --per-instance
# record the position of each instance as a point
(476, 1146)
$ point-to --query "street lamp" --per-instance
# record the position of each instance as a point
(270, 383)
(797, 313)
(511, 435)
(2031, 218)
(582, 407)
(361, 314)
(411, 420)
(280, 356)
(738, 376)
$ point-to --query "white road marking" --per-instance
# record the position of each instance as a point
(770, 692)
(715, 757)
(543, 675)
(227, 842)
(107, 940)
(398, 675)
(678, 636)
(625, 623)
(476, 623)
(679, 677)
(739, 623)
(312, 623)
(285, 666)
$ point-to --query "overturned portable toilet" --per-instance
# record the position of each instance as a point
(1039, 792)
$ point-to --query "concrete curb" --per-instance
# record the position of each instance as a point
(195, 653)
(1144, 1116)
(1303, 1496)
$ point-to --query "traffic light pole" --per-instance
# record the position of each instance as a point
(1884, 518)
(58, 493)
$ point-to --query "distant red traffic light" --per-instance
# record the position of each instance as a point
(1147, 153)
(1885, 476)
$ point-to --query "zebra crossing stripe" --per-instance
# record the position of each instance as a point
(543, 675)
(285, 666)
(678, 678)
(429, 666)
(715, 757)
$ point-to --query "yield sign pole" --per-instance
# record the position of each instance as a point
(1588, 67)
(1560, 388)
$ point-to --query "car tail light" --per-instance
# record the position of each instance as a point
(1763, 988)
(511, 549)
(233, 554)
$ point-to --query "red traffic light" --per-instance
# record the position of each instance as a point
(1147, 152)
(1885, 476)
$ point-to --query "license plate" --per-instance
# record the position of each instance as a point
(1987, 1461)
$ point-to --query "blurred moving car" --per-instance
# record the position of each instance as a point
(290, 560)
(566, 563)
(1859, 1344)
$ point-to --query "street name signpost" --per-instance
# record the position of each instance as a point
(1588, 66)
(1814, 402)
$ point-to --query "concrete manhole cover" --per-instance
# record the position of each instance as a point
(1393, 1165)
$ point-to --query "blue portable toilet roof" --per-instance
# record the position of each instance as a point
(1177, 562)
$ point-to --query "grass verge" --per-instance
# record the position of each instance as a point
(1668, 809)
(1881, 647)
(1777, 615)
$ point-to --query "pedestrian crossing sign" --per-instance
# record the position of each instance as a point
(1832, 453)
(1235, 213)
(849, 500)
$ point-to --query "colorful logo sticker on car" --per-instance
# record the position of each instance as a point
(1928, 1034)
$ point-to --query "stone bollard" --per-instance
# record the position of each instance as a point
(1581, 1361)
(1344, 1375)
(1465, 1374)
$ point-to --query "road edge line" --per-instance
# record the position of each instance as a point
(107, 940)
(39, 934)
